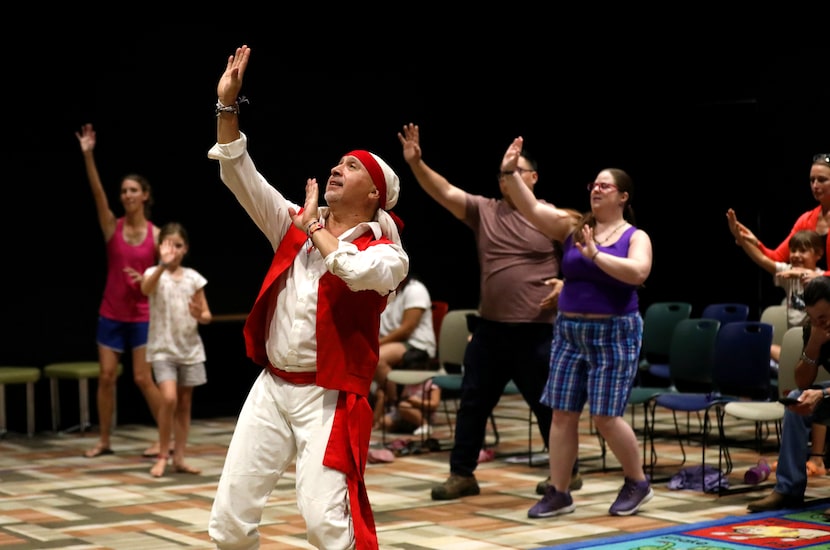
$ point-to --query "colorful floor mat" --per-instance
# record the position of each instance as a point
(805, 529)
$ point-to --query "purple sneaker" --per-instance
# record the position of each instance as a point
(553, 503)
(632, 495)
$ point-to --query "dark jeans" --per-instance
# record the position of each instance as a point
(497, 353)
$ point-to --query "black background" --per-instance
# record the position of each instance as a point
(700, 129)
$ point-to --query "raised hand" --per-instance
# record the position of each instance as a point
(86, 137)
(231, 81)
(511, 156)
(309, 214)
(167, 251)
(411, 141)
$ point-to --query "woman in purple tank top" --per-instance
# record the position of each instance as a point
(597, 332)
(123, 316)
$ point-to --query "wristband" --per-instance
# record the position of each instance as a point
(812, 362)
(233, 108)
(594, 257)
(314, 227)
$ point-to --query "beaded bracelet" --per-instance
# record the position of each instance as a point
(313, 227)
(233, 108)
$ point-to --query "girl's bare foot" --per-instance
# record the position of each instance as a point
(183, 468)
(158, 468)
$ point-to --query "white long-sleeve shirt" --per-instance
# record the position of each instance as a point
(291, 344)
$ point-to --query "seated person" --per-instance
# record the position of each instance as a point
(405, 324)
(806, 248)
(791, 472)
(412, 407)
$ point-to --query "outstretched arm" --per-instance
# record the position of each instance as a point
(106, 217)
(437, 186)
(756, 255)
(553, 222)
(227, 91)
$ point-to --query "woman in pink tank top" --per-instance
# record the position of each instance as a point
(124, 313)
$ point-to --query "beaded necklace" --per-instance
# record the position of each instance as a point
(606, 239)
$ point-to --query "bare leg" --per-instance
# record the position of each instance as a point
(164, 419)
(105, 399)
(564, 447)
(181, 423)
(143, 378)
(623, 443)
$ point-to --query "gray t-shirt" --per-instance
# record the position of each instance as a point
(515, 260)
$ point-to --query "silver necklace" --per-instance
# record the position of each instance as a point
(607, 238)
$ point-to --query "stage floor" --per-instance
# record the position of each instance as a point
(53, 497)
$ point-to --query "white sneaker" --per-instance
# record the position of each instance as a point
(424, 429)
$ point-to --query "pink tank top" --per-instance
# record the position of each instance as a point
(123, 300)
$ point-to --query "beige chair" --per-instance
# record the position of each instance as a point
(791, 346)
(776, 315)
(81, 371)
(19, 375)
(452, 343)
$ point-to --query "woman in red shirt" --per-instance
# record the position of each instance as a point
(817, 219)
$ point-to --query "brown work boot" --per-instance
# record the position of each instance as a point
(775, 501)
(574, 485)
(455, 487)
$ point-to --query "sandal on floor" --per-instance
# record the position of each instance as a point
(97, 451)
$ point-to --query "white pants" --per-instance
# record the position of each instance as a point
(278, 422)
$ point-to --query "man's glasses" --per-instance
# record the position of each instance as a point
(519, 170)
(603, 186)
(822, 157)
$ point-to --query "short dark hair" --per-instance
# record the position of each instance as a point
(807, 239)
(816, 290)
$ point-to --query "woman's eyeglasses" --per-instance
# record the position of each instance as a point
(603, 186)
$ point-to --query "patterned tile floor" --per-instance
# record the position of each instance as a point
(52, 497)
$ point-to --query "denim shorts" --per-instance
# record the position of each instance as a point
(120, 335)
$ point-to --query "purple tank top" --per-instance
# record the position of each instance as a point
(588, 289)
(123, 300)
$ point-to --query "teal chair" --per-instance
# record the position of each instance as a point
(691, 367)
(659, 321)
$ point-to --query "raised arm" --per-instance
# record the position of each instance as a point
(227, 91)
(553, 222)
(756, 255)
(781, 253)
(106, 217)
(437, 186)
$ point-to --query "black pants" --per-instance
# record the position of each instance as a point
(497, 353)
